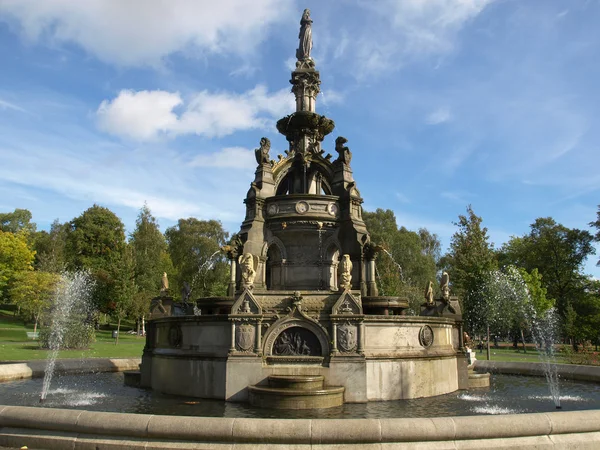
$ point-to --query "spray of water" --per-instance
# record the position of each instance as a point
(72, 301)
(504, 300)
(395, 263)
(202, 270)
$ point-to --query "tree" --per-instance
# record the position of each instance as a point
(96, 241)
(537, 292)
(50, 248)
(470, 258)
(558, 253)
(408, 261)
(15, 256)
(596, 224)
(32, 291)
(17, 221)
(470, 255)
(150, 260)
(124, 287)
(194, 246)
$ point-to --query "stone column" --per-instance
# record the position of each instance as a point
(361, 336)
(257, 340)
(231, 287)
(232, 347)
(334, 349)
(363, 281)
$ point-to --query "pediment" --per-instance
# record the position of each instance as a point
(246, 304)
(347, 304)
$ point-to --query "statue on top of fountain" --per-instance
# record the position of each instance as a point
(305, 36)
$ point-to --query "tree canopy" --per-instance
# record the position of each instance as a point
(557, 252)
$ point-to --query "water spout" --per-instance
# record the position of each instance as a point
(71, 302)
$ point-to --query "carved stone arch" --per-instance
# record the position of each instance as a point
(281, 176)
(274, 255)
(331, 256)
(324, 167)
(273, 240)
(293, 322)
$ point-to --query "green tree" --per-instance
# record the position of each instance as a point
(17, 221)
(409, 259)
(96, 241)
(50, 248)
(470, 258)
(194, 248)
(596, 224)
(15, 256)
(151, 259)
(558, 253)
(33, 291)
(124, 287)
(540, 302)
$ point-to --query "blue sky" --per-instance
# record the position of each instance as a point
(444, 103)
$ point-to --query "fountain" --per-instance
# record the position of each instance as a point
(303, 326)
(71, 303)
(303, 302)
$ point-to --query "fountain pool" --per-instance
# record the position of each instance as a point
(508, 394)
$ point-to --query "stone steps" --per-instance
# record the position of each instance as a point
(296, 392)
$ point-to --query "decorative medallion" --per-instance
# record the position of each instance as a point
(272, 210)
(426, 336)
(346, 337)
(175, 336)
(244, 337)
(302, 207)
(332, 209)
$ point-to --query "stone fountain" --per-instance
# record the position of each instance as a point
(303, 324)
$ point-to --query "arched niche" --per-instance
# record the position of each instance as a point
(314, 181)
(331, 257)
(296, 337)
(275, 255)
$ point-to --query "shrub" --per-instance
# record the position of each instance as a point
(77, 335)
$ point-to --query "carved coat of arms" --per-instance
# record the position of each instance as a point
(244, 337)
(346, 337)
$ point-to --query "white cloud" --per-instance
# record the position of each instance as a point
(139, 115)
(438, 116)
(145, 115)
(397, 31)
(140, 32)
(230, 157)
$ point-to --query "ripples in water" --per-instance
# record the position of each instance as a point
(105, 392)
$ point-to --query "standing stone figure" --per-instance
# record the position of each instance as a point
(305, 37)
(445, 286)
(248, 265)
(164, 284)
(345, 273)
(262, 153)
(429, 293)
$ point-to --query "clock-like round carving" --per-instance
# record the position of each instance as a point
(272, 210)
(333, 209)
(302, 207)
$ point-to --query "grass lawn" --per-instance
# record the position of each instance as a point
(14, 345)
(507, 353)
